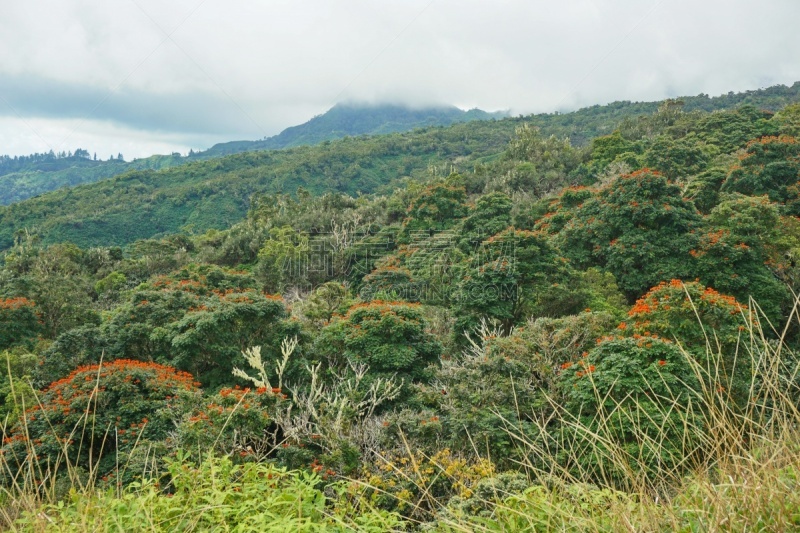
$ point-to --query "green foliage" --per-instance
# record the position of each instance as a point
(788, 120)
(15, 390)
(491, 215)
(281, 258)
(111, 283)
(389, 281)
(538, 508)
(677, 158)
(707, 324)
(19, 322)
(198, 319)
(535, 163)
(638, 227)
(734, 254)
(390, 337)
(704, 189)
(500, 385)
(513, 275)
(632, 395)
(771, 166)
(391, 390)
(436, 207)
(329, 299)
(215, 194)
(199, 325)
(232, 422)
(609, 148)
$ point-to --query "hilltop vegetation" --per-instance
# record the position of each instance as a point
(511, 330)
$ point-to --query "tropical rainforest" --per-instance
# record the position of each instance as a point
(584, 320)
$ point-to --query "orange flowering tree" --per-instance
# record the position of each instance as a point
(739, 253)
(690, 313)
(707, 324)
(234, 422)
(19, 322)
(99, 411)
(638, 385)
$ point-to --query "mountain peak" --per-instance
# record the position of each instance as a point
(354, 118)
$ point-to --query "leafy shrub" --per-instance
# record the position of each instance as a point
(389, 337)
(709, 325)
(437, 206)
(573, 507)
(414, 483)
(631, 397)
(232, 422)
(638, 227)
(198, 320)
(771, 166)
(515, 274)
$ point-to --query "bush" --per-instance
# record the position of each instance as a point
(19, 322)
(709, 325)
(632, 397)
(389, 337)
(232, 422)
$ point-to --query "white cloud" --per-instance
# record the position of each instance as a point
(243, 69)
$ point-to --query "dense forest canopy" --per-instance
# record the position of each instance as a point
(433, 314)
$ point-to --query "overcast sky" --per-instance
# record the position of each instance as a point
(155, 76)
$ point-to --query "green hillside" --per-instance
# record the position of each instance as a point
(25, 177)
(213, 193)
(201, 195)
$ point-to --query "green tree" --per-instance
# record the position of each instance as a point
(19, 322)
(734, 250)
(436, 207)
(390, 337)
(513, 275)
(632, 400)
(638, 227)
(707, 324)
(771, 166)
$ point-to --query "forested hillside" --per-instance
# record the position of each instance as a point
(509, 330)
(28, 176)
(200, 195)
